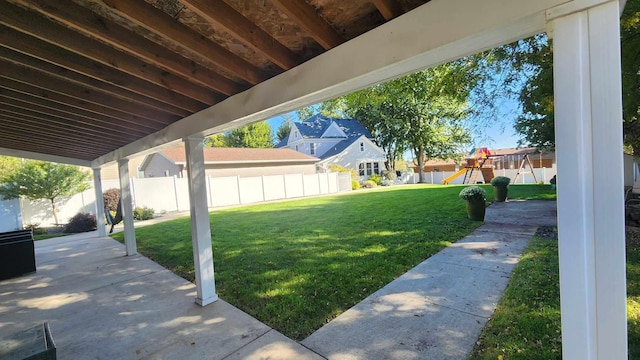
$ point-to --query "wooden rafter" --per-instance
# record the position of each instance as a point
(388, 8)
(308, 19)
(219, 13)
(84, 20)
(145, 15)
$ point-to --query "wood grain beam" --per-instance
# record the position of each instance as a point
(86, 95)
(388, 8)
(84, 20)
(147, 16)
(25, 142)
(42, 49)
(182, 93)
(308, 19)
(80, 113)
(219, 13)
(15, 126)
(72, 120)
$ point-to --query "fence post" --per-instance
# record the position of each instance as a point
(209, 190)
(175, 193)
(264, 193)
(284, 181)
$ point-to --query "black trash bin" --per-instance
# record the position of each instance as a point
(17, 256)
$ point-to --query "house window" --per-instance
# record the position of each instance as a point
(166, 173)
(362, 146)
(361, 169)
(296, 147)
(376, 168)
(312, 148)
(368, 169)
(295, 134)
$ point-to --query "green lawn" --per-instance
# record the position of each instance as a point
(296, 265)
(47, 236)
(526, 324)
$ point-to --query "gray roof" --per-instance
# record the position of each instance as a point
(337, 148)
(316, 125)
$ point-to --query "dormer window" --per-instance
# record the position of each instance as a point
(295, 134)
(312, 148)
(362, 146)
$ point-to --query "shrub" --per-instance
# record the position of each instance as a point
(143, 213)
(342, 169)
(375, 178)
(35, 228)
(355, 185)
(500, 181)
(81, 222)
(369, 184)
(111, 198)
(472, 193)
(387, 182)
(389, 175)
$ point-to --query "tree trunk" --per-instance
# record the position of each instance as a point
(418, 152)
(53, 209)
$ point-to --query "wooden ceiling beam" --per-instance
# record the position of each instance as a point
(41, 121)
(308, 19)
(49, 82)
(84, 20)
(31, 91)
(219, 13)
(29, 100)
(147, 16)
(389, 9)
(71, 120)
(17, 141)
(181, 93)
(53, 136)
(39, 48)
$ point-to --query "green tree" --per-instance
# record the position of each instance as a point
(217, 140)
(630, 43)
(44, 180)
(285, 128)
(9, 164)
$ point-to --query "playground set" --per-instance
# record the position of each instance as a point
(480, 161)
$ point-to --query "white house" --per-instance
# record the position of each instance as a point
(345, 142)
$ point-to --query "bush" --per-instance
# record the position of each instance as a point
(473, 193)
(355, 185)
(388, 182)
(341, 169)
(35, 228)
(369, 184)
(375, 178)
(500, 181)
(111, 198)
(389, 175)
(81, 222)
(143, 213)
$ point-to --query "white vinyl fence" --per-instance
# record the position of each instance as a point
(542, 174)
(172, 194)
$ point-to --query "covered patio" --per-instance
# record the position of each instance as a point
(95, 82)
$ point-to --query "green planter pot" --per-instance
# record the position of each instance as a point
(500, 193)
(476, 209)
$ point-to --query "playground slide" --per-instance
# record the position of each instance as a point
(450, 178)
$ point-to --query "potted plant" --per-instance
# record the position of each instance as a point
(500, 187)
(475, 197)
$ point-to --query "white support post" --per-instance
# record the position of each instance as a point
(127, 208)
(97, 188)
(588, 113)
(200, 225)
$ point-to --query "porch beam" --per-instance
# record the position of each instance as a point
(127, 207)
(200, 225)
(588, 112)
(97, 187)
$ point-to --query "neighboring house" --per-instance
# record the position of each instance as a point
(345, 142)
(110, 172)
(509, 158)
(221, 162)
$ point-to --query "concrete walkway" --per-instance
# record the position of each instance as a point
(438, 309)
(104, 305)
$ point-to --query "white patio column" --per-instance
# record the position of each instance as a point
(127, 207)
(97, 188)
(200, 226)
(588, 118)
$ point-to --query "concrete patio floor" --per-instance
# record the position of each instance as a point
(101, 304)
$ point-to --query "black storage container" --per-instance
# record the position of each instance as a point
(17, 256)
